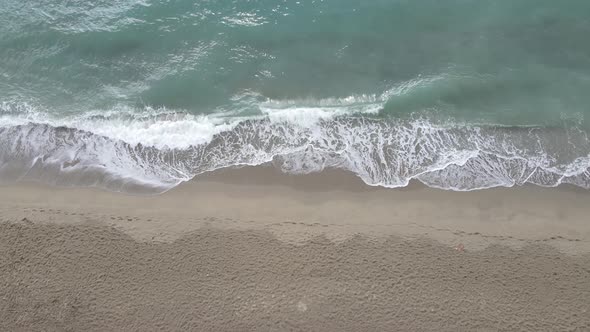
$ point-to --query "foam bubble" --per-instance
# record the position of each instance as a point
(157, 148)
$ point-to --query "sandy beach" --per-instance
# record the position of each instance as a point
(254, 250)
(285, 165)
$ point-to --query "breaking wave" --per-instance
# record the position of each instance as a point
(153, 150)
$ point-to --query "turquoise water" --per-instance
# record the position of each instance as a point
(458, 94)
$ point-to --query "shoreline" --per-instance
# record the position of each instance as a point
(334, 203)
(250, 249)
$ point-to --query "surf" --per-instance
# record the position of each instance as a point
(156, 150)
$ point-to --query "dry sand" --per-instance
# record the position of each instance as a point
(253, 250)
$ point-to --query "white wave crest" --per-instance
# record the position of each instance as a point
(157, 148)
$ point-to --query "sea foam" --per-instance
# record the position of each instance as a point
(126, 149)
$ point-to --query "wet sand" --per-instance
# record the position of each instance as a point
(251, 249)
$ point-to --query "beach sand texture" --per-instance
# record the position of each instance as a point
(251, 250)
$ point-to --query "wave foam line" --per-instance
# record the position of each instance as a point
(179, 129)
(382, 152)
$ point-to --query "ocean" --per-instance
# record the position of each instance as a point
(130, 95)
